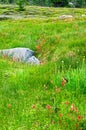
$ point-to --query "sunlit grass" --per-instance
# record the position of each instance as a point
(50, 96)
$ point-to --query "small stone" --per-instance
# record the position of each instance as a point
(65, 17)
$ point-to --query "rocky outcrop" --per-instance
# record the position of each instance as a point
(20, 54)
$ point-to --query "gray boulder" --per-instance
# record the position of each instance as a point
(21, 54)
(33, 60)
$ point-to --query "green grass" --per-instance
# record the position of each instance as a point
(37, 11)
(33, 97)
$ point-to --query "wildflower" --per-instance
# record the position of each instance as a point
(48, 107)
(57, 90)
(38, 48)
(67, 102)
(72, 107)
(76, 109)
(64, 81)
(60, 115)
(33, 106)
(79, 118)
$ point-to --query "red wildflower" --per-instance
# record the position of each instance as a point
(79, 118)
(67, 102)
(38, 47)
(64, 81)
(76, 109)
(33, 106)
(73, 105)
(60, 115)
(48, 107)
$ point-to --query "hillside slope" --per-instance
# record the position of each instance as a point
(50, 96)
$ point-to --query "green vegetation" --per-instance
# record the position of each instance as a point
(21, 4)
(41, 12)
(55, 3)
(49, 96)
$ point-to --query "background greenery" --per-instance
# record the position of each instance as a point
(56, 3)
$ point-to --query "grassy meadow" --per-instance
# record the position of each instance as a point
(52, 95)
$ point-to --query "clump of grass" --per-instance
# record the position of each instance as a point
(47, 102)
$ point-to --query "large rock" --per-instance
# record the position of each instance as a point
(21, 54)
